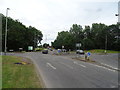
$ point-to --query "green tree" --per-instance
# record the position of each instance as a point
(20, 36)
(77, 32)
(94, 37)
(98, 35)
(45, 45)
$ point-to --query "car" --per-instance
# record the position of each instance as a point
(45, 51)
(80, 52)
(64, 50)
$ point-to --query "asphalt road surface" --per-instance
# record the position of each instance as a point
(109, 59)
(64, 72)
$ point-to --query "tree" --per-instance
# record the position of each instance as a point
(20, 36)
(76, 32)
(98, 35)
(45, 45)
(94, 37)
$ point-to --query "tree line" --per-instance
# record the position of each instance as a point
(19, 36)
(98, 36)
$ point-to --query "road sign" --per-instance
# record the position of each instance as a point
(30, 47)
(88, 53)
(78, 44)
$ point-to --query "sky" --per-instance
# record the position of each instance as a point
(53, 16)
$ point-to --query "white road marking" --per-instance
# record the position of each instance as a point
(79, 64)
(67, 65)
(113, 86)
(103, 67)
(51, 65)
(110, 66)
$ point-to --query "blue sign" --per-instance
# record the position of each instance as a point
(59, 50)
(88, 53)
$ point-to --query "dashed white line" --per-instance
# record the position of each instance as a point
(79, 64)
(113, 86)
(51, 65)
(110, 66)
(102, 67)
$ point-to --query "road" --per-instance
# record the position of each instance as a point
(64, 72)
(109, 59)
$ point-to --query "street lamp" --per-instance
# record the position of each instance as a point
(6, 31)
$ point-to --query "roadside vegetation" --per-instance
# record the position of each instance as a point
(19, 75)
(20, 36)
(101, 51)
(97, 36)
(39, 49)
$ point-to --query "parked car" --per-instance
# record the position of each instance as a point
(45, 51)
(80, 52)
(64, 50)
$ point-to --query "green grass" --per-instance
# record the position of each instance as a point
(18, 76)
(39, 49)
(101, 51)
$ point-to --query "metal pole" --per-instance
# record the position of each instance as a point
(6, 31)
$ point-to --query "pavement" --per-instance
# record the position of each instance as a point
(58, 71)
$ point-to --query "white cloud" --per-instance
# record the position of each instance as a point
(53, 16)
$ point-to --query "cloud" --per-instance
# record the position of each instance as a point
(53, 16)
(99, 10)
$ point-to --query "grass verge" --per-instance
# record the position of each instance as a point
(101, 51)
(17, 75)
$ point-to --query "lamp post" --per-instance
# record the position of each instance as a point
(6, 31)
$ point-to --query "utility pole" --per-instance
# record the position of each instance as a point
(6, 31)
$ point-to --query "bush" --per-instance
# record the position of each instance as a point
(39, 49)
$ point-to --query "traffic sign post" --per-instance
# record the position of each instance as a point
(87, 55)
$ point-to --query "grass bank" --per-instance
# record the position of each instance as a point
(101, 51)
(19, 75)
